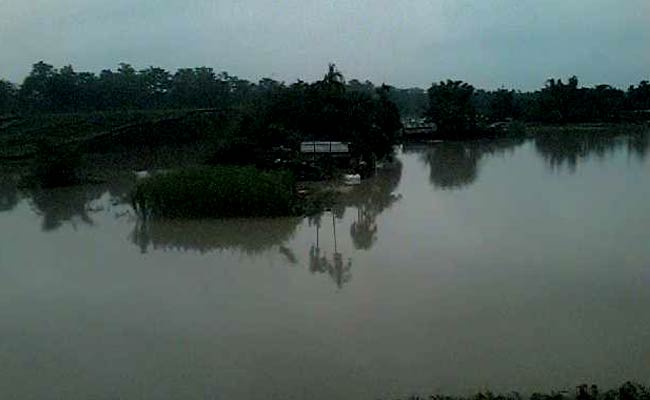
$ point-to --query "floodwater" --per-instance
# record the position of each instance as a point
(510, 265)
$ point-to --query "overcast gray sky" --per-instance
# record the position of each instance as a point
(490, 43)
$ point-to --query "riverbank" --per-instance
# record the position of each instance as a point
(146, 140)
(627, 391)
(103, 147)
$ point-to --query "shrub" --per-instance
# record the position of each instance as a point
(225, 191)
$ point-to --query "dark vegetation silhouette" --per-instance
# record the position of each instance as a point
(251, 116)
(55, 166)
(627, 391)
(58, 117)
(8, 192)
(462, 112)
(452, 109)
(276, 112)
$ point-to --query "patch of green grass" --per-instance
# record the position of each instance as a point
(216, 192)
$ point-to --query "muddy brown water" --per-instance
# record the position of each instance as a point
(511, 265)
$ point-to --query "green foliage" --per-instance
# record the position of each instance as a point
(562, 103)
(8, 192)
(216, 192)
(516, 129)
(250, 121)
(452, 109)
(502, 105)
(8, 92)
(361, 115)
(412, 102)
(261, 116)
(48, 89)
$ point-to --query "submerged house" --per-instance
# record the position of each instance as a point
(325, 148)
(321, 159)
(418, 130)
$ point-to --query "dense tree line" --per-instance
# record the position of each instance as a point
(47, 89)
(258, 116)
(331, 107)
(458, 108)
(412, 102)
(328, 109)
(8, 97)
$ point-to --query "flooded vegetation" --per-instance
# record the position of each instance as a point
(514, 264)
(216, 192)
(437, 199)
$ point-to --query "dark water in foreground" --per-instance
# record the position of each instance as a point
(504, 265)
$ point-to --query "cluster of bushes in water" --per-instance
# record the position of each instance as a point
(224, 191)
(628, 391)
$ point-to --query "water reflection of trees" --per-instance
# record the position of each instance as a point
(73, 204)
(319, 262)
(455, 165)
(452, 166)
(337, 269)
(568, 147)
(65, 205)
(639, 144)
(370, 199)
(249, 236)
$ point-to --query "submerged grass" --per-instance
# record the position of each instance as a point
(226, 191)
